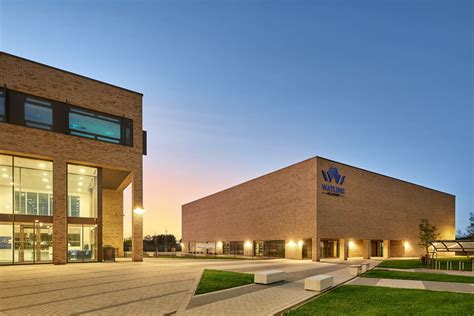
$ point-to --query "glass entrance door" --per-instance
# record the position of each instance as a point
(33, 243)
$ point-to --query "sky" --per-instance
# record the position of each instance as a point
(236, 89)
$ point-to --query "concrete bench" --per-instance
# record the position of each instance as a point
(355, 269)
(365, 267)
(318, 282)
(269, 276)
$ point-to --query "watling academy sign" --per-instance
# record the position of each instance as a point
(329, 176)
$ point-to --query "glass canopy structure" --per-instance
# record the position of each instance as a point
(464, 246)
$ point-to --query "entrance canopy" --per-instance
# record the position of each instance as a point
(453, 245)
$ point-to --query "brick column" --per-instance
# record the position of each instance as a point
(59, 211)
(342, 249)
(366, 249)
(386, 248)
(137, 219)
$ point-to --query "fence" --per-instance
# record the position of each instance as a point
(453, 265)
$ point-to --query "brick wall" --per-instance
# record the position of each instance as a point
(112, 219)
(378, 207)
(277, 206)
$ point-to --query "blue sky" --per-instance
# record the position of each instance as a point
(235, 89)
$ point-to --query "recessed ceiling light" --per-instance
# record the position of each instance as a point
(80, 178)
(42, 165)
(48, 187)
(45, 173)
(45, 180)
(79, 190)
(80, 184)
(82, 170)
(5, 175)
(11, 183)
(4, 169)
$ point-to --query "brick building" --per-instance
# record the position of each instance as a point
(69, 146)
(317, 209)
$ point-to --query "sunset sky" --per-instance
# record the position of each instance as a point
(236, 89)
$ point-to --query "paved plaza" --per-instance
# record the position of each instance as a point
(166, 287)
(152, 287)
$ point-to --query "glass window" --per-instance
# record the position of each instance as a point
(6, 184)
(33, 185)
(82, 243)
(92, 125)
(82, 191)
(38, 114)
(2, 106)
(6, 243)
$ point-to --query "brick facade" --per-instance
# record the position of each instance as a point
(290, 204)
(43, 81)
(112, 219)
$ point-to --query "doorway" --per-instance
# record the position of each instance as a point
(307, 248)
(33, 243)
(376, 248)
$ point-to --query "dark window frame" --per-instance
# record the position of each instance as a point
(38, 102)
(98, 116)
(15, 114)
(3, 94)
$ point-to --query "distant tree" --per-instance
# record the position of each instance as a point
(127, 244)
(459, 234)
(428, 232)
(158, 243)
(470, 228)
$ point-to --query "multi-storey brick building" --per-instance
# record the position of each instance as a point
(316, 209)
(69, 146)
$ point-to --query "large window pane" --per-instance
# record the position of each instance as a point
(6, 184)
(38, 114)
(82, 243)
(88, 124)
(2, 106)
(89, 242)
(33, 184)
(6, 243)
(82, 191)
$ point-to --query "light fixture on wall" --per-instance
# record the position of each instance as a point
(248, 244)
(139, 211)
(300, 243)
(351, 244)
(291, 243)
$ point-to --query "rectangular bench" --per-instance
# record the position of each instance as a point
(365, 267)
(355, 269)
(318, 282)
(269, 276)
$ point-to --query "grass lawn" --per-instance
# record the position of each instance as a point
(215, 280)
(370, 300)
(422, 276)
(415, 263)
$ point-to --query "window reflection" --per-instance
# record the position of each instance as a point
(38, 114)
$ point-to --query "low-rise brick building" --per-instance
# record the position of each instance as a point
(316, 209)
(69, 146)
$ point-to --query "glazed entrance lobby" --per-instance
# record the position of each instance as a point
(26, 211)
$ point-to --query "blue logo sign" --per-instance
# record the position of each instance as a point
(329, 176)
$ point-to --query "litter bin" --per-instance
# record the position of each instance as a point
(108, 254)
